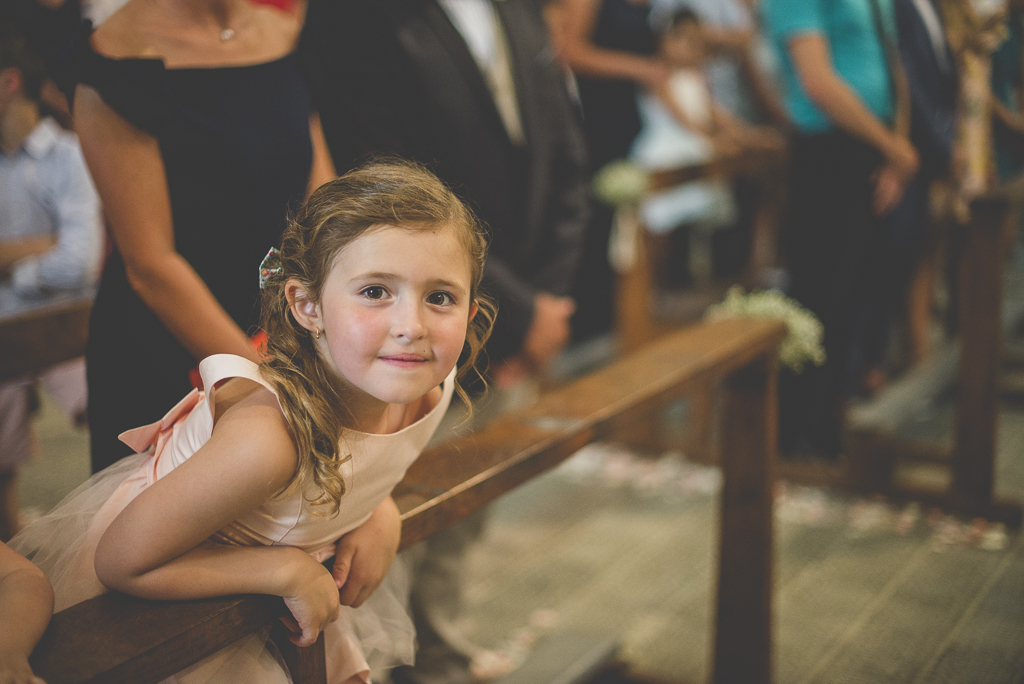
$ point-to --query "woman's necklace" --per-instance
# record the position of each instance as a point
(227, 34)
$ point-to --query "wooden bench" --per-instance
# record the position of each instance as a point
(116, 638)
(38, 333)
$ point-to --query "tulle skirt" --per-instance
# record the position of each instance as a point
(374, 637)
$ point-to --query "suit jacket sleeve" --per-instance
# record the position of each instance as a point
(932, 93)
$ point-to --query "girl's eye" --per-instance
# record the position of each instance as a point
(440, 299)
(374, 292)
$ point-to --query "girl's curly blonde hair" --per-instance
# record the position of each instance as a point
(391, 192)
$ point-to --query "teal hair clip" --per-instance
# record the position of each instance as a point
(270, 266)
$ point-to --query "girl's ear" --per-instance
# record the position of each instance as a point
(473, 308)
(305, 311)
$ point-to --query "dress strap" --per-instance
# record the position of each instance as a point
(218, 367)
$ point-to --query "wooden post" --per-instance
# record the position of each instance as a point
(743, 643)
(306, 665)
(981, 298)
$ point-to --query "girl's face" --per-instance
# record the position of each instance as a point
(393, 315)
(682, 46)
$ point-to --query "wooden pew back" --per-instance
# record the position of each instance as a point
(116, 638)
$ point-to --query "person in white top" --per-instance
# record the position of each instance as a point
(684, 124)
(51, 239)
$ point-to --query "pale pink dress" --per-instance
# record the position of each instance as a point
(63, 542)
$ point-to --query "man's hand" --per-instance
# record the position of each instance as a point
(889, 186)
(363, 556)
(549, 332)
(902, 156)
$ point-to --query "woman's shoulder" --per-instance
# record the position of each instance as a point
(128, 58)
(124, 34)
(133, 87)
(258, 34)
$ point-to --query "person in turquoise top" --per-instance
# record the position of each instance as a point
(848, 167)
(857, 53)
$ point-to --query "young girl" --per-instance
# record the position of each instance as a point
(683, 124)
(246, 488)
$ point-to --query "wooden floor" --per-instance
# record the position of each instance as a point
(866, 592)
(620, 543)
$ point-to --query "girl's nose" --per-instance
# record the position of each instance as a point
(408, 323)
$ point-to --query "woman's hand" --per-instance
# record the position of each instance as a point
(313, 603)
(363, 556)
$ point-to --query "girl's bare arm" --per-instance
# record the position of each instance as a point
(157, 547)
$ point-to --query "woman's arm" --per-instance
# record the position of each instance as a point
(323, 167)
(129, 173)
(573, 40)
(156, 548)
(812, 61)
(26, 604)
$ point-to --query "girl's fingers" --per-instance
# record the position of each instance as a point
(307, 638)
(291, 623)
(342, 566)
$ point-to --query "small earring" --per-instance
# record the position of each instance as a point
(318, 333)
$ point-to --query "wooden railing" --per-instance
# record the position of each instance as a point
(115, 638)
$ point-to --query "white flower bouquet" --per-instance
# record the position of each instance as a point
(803, 343)
(620, 182)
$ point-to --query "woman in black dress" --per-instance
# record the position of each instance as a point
(609, 45)
(198, 129)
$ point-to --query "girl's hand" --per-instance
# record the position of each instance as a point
(363, 556)
(313, 605)
(14, 669)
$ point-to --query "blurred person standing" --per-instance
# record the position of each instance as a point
(742, 66)
(197, 126)
(51, 238)
(473, 89)
(1007, 83)
(849, 164)
(744, 74)
(611, 49)
(904, 284)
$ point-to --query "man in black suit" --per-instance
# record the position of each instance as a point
(471, 88)
(903, 282)
(397, 76)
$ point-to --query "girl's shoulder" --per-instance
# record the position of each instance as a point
(248, 417)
